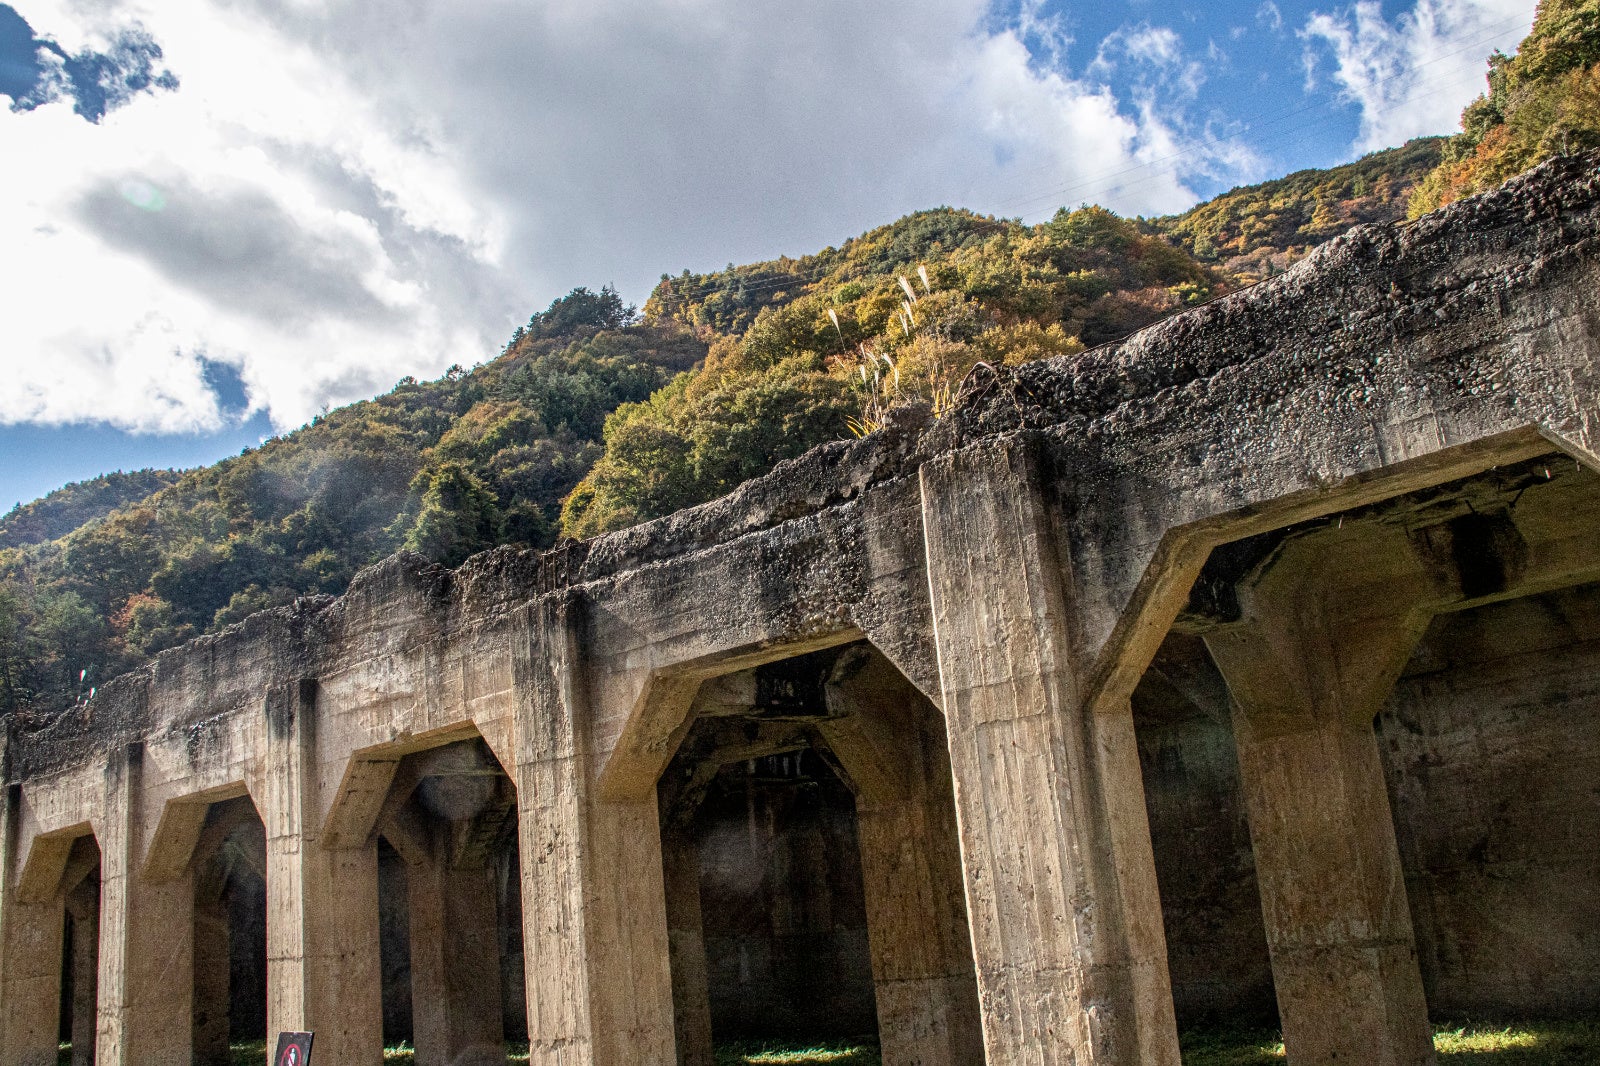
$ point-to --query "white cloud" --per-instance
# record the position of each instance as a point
(349, 192)
(1413, 75)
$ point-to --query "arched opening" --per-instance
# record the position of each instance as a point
(1368, 745)
(229, 1004)
(450, 908)
(80, 952)
(812, 867)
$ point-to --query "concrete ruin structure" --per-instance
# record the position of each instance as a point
(1248, 668)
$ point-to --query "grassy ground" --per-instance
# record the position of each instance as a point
(1530, 1044)
(827, 1054)
(255, 1054)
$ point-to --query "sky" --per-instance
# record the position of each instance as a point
(220, 217)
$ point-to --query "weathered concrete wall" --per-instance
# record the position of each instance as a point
(1493, 756)
(1230, 475)
(1216, 946)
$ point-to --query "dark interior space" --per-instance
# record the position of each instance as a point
(1491, 751)
(80, 950)
(450, 907)
(812, 866)
(784, 920)
(1200, 835)
(230, 932)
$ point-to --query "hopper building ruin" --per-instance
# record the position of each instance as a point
(1248, 668)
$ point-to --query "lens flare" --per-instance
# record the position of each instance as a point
(142, 194)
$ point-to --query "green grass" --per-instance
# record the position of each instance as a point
(1526, 1044)
(404, 1054)
(786, 1054)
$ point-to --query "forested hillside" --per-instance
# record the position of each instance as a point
(1543, 101)
(596, 417)
(67, 508)
(1256, 231)
(809, 350)
(444, 467)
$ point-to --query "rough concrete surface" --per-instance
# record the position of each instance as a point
(1051, 722)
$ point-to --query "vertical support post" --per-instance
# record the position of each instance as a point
(146, 935)
(1067, 971)
(1307, 678)
(891, 743)
(593, 907)
(324, 971)
(457, 1015)
(691, 994)
(30, 954)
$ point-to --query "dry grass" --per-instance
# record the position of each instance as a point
(1525, 1044)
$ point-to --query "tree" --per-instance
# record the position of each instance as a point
(581, 310)
(457, 515)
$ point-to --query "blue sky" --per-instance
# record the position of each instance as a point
(222, 216)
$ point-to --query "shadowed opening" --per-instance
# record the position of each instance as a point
(1450, 640)
(450, 909)
(812, 868)
(80, 952)
(230, 932)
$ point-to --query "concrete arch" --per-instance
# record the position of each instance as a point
(49, 942)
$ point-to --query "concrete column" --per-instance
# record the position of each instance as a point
(1307, 677)
(891, 743)
(324, 971)
(593, 907)
(83, 904)
(691, 996)
(457, 1016)
(1066, 924)
(30, 955)
(146, 936)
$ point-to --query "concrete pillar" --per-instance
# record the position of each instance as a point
(457, 1016)
(593, 907)
(83, 905)
(30, 954)
(691, 995)
(891, 743)
(324, 971)
(1062, 899)
(1307, 677)
(146, 936)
